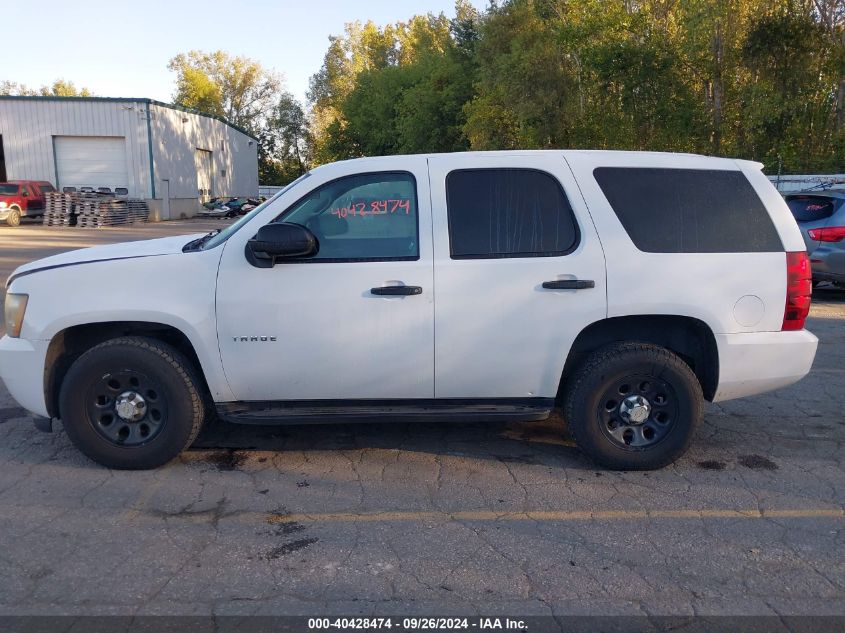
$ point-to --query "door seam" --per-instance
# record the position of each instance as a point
(598, 235)
(433, 286)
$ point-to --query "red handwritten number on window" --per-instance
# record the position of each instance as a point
(376, 207)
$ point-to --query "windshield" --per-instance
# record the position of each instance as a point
(233, 228)
(8, 190)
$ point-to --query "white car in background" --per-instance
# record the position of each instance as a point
(626, 288)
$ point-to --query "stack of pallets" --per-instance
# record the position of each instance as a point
(99, 212)
(58, 209)
(85, 207)
(89, 210)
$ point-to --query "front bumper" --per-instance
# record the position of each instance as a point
(22, 371)
(756, 362)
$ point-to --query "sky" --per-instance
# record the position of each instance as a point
(121, 48)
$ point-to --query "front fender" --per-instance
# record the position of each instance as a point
(176, 290)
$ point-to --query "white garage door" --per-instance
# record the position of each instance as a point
(91, 161)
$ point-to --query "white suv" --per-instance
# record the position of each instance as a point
(626, 288)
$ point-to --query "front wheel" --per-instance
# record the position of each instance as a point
(633, 406)
(132, 403)
(14, 217)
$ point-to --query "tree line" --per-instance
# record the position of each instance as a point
(762, 80)
(755, 79)
(59, 88)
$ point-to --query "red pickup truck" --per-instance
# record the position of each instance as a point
(22, 198)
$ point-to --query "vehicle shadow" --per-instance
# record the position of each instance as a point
(544, 443)
(827, 292)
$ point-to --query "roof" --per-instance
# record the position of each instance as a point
(607, 153)
(538, 152)
(129, 100)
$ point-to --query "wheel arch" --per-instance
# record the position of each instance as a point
(70, 343)
(690, 338)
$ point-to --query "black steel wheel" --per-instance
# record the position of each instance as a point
(633, 406)
(638, 411)
(132, 403)
(127, 407)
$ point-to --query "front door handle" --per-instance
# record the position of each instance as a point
(569, 284)
(396, 291)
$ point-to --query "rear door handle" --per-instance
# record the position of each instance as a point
(396, 291)
(569, 284)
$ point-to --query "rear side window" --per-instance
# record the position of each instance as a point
(508, 213)
(810, 208)
(688, 210)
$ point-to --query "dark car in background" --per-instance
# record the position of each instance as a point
(821, 218)
(22, 199)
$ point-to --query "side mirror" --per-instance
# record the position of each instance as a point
(280, 240)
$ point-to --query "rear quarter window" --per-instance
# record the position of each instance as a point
(810, 208)
(688, 210)
(511, 212)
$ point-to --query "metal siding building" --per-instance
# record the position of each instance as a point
(170, 156)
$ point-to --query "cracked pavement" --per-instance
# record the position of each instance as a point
(437, 519)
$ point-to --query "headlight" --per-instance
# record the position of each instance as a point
(2, 205)
(15, 307)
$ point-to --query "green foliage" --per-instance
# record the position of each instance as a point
(198, 91)
(250, 96)
(787, 54)
(237, 88)
(756, 79)
(394, 90)
(59, 88)
(285, 143)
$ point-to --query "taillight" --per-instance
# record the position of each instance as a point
(828, 234)
(799, 287)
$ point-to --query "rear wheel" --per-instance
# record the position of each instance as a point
(14, 217)
(132, 403)
(633, 406)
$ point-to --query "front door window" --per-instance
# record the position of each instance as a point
(366, 217)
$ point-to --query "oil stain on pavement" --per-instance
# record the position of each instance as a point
(757, 462)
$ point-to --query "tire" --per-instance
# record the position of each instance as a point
(14, 217)
(132, 403)
(603, 406)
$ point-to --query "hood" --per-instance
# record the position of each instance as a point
(124, 250)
